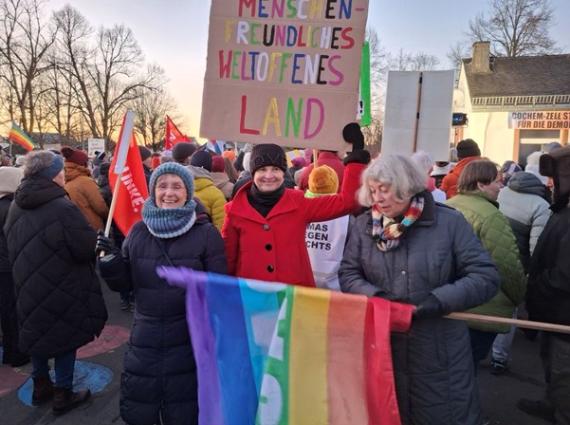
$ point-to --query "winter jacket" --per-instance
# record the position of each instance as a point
(5, 266)
(52, 249)
(449, 182)
(494, 231)
(273, 248)
(524, 204)
(211, 197)
(548, 297)
(222, 182)
(159, 375)
(84, 193)
(438, 255)
(325, 158)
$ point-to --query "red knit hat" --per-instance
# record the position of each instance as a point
(74, 155)
(218, 164)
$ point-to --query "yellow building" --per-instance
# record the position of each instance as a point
(514, 106)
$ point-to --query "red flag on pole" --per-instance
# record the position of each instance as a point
(172, 135)
(133, 191)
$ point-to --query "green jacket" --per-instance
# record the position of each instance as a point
(494, 231)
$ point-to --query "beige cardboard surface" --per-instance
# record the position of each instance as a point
(281, 75)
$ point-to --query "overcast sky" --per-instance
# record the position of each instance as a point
(174, 33)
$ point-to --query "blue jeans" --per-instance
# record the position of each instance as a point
(64, 366)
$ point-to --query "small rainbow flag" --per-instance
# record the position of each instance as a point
(19, 136)
(270, 353)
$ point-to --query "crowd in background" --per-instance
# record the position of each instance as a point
(460, 235)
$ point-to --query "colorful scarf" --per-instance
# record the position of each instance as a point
(387, 231)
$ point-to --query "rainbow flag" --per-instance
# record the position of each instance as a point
(270, 353)
(19, 136)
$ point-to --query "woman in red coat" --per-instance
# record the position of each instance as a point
(264, 228)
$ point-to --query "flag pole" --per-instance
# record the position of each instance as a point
(121, 153)
(494, 320)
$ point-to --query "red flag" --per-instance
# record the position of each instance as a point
(172, 135)
(132, 191)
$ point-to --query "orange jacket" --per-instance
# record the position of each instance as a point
(449, 182)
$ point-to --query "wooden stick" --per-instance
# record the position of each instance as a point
(494, 320)
(112, 209)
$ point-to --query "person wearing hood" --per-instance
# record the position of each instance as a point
(10, 178)
(159, 382)
(51, 247)
(467, 151)
(479, 187)
(264, 229)
(209, 195)
(220, 177)
(82, 189)
(524, 204)
(548, 296)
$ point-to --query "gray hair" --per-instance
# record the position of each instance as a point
(398, 172)
(36, 161)
(423, 160)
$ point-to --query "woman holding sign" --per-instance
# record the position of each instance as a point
(409, 249)
(264, 229)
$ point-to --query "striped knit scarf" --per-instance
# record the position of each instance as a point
(387, 231)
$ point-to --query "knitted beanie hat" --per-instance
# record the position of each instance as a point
(182, 151)
(74, 155)
(467, 148)
(202, 159)
(218, 164)
(267, 154)
(323, 180)
(43, 163)
(176, 169)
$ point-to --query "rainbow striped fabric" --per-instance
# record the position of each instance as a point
(19, 136)
(269, 353)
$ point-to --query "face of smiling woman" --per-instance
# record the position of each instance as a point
(269, 178)
(170, 192)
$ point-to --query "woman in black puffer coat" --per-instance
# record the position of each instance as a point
(159, 383)
(52, 251)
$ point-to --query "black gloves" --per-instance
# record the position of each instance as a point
(353, 135)
(430, 308)
(104, 244)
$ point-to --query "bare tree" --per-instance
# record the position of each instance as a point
(515, 27)
(25, 39)
(151, 107)
(419, 61)
(76, 58)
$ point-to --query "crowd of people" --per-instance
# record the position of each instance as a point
(446, 237)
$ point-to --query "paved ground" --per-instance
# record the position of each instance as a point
(498, 394)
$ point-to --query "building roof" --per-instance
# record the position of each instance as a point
(521, 76)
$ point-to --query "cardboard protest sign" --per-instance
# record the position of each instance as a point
(418, 113)
(283, 71)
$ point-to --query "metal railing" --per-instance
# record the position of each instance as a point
(511, 103)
